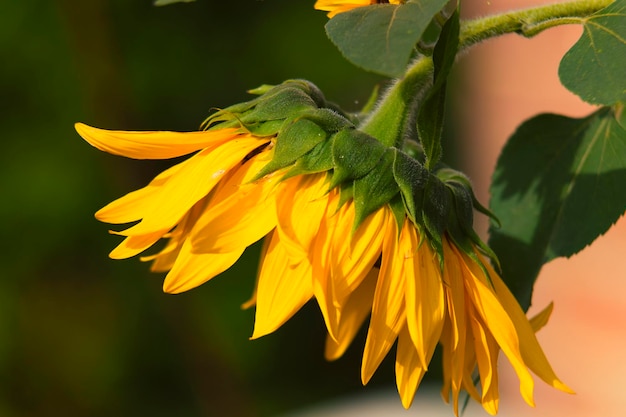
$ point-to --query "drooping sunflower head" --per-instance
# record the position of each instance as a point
(362, 227)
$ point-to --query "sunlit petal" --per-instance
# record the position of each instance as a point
(238, 213)
(425, 306)
(191, 269)
(153, 145)
(353, 314)
(388, 312)
(282, 288)
(193, 181)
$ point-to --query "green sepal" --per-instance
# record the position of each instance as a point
(411, 177)
(260, 90)
(287, 100)
(292, 142)
(449, 174)
(319, 159)
(266, 129)
(398, 210)
(376, 188)
(461, 225)
(346, 193)
(283, 103)
(436, 206)
(354, 155)
(328, 119)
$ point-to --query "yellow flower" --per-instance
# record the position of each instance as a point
(334, 7)
(213, 205)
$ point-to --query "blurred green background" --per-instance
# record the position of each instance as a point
(82, 335)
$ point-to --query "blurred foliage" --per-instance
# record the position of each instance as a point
(81, 335)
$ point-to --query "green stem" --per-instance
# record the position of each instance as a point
(393, 119)
(528, 22)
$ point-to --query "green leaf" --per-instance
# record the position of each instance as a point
(381, 38)
(431, 114)
(166, 2)
(558, 185)
(595, 67)
(620, 114)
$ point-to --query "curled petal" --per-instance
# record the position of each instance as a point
(153, 145)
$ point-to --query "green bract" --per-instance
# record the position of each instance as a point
(312, 136)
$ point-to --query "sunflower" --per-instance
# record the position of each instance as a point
(334, 7)
(361, 228)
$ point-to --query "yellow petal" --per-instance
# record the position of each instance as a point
(352, 255)
(336, 6)
(531, 351)
(541, 319)
(323, 285)
(153, 145)
(425, 306)
(134, 245)
(409, 372)
(165, 259)
(251, 302)
(282, 288)
(134, 205)
(191, 270)
(301, 203)
(487, 351)
(497, 320)
(352, 316)
(192, 182)
(388, 312)
(456, 347)
(238, 213)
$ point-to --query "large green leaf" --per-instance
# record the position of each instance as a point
(595, 67)
(559, 184)
(381, 38)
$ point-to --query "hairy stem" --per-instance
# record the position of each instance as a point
(528, 22)
(393, 119)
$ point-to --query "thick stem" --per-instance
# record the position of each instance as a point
(393, 119)
(528, 22)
